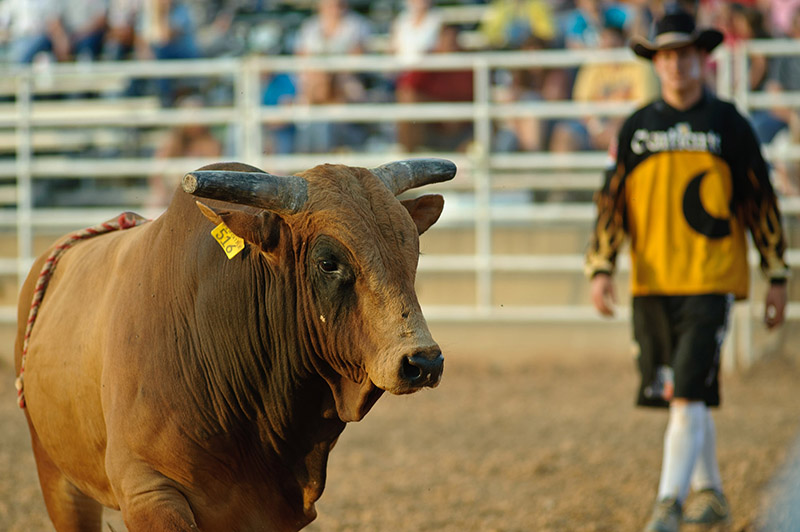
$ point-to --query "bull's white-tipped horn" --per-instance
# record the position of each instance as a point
(281, 194)
(400, 176)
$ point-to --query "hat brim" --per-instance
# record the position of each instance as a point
(705, 39)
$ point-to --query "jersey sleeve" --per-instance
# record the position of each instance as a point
(609, 228)
(759, 205)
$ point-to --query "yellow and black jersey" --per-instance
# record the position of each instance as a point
(685, 188)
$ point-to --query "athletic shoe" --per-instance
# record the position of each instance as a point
(666, 517)
(707, 507)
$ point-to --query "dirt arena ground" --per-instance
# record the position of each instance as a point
(540, 443)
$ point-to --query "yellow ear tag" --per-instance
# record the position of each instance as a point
(229, 242)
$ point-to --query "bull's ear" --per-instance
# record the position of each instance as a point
(259, 229)
(424, 210)
(209, 213)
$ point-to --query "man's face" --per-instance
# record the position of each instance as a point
(331, 8)
(680, 69)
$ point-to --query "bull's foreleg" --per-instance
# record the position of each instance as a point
(149, 501)
(166, 512)
(69, 509)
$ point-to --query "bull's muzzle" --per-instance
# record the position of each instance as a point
(423, 368)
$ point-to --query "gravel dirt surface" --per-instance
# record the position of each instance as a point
(545, 443)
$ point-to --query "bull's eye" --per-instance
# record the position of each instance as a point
(332, 264)
(328, 265)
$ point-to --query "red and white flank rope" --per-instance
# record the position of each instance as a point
(125, 220)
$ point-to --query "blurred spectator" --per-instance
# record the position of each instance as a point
(152, 29)
(525, 133)
(436, 86)
(787, 168)
(28, 22)
(631, 81)
(217, 33)
(334, 30)
(557, 134)
(64, 29)
(582, 28)
(745, 23)
(783, 75)
(781, 15)
(190, 140)
(321, 88)
(123, 17)
(79, 30)
(415, 31)
(163, 30)
(641, 14)
(716, 12)
(508, 24)
(582, 25)
(167, 30)
(281, 89)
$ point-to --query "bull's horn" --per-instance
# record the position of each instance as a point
(281, 194)
(400, 176)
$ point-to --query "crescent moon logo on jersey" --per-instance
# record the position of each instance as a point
(698, 217)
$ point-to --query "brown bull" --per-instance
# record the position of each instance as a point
(199, 392)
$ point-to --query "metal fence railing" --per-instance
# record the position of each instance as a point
(33, 127)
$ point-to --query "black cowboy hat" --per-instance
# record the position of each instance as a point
(675, 30)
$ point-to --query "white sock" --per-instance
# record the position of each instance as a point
(706, 470)
(683, 441)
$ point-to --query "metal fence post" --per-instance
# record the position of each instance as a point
(252, 105)
(248, 135)
(740, 90)
(24, 95)
(481, 172)
(724, 73)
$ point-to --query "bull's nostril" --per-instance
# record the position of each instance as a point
(411, 371)
(420, 369)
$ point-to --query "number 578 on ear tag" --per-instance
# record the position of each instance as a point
(231, 244)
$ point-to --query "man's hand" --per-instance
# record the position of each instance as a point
(775, 307)
(603, 296)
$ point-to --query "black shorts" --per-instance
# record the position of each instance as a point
(680, 340)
